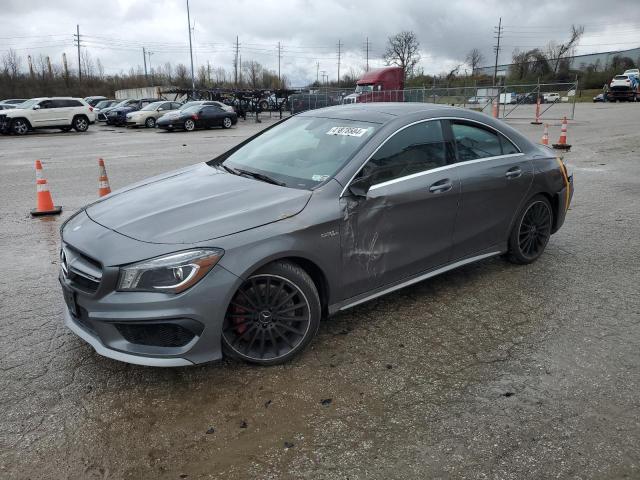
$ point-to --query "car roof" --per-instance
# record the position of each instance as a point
(376, 112)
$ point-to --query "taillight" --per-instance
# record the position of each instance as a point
(91, 109)
(195, 117)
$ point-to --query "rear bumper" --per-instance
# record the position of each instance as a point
(563, 197)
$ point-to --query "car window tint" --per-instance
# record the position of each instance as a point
(175, 106)
(166, 106)
(508, 148)
(47, 104)
(475, 142)
(417, 148)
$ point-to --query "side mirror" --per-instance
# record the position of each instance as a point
(360, 187)
(36, 107)
(160, 109)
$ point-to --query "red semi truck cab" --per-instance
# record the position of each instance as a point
(379, 85)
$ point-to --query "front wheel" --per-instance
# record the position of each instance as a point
(531, 231)
(19, 126)
(226, 123)
(273, 316)
(80, 124)
(189, 125)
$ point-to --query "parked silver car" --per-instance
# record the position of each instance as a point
(246, 253)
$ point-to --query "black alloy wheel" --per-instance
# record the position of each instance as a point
(150, 122)
(272, 316)
(531, 232)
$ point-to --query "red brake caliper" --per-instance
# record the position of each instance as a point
(241, 325)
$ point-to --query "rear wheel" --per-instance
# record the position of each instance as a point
(273, 316)
(150, 122)
(189, 125)
(80, 124)
(226, 123)
(19, 126)
(531, 231)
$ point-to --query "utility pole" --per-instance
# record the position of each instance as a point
(497, 49)
(144, 57)
(235, 62)
(324, 75)
(193, 79)
(367, 44)
(279, 57)
(318, 73)
(149, 53)
(77, 42)
(339, 51)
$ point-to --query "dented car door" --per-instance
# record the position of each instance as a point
(403, 225)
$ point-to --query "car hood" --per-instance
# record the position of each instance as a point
(195, 204)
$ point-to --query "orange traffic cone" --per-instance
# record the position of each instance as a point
(495, 108)
(44, 202)
(562, 143)
(545, 135)
(537, 121)
(103, 180)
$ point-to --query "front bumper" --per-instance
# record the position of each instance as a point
(141, 327)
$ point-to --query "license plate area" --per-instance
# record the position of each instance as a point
(70, 299)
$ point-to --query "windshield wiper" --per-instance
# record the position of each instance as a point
(228, 169)
(259, 176)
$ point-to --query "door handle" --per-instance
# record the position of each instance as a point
(514, 172)
(441, 186)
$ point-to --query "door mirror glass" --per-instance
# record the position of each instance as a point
(360, 187)
(160, 109)
(36, 107)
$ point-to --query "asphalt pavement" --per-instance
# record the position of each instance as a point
(491, 371)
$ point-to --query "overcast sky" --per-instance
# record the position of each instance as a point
(116, 30)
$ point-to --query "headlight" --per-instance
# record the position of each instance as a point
(171, 273)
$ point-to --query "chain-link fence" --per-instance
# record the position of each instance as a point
(557, 100)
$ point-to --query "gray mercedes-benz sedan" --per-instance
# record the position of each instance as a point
(246, 253)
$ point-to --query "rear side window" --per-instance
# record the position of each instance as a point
(418, 148)
(175, 106)
(474, 142)
(508, 148)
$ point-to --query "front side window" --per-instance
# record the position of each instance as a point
(302, 152)
(418, 148)
(474, 142)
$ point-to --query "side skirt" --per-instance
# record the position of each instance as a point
(365, 297)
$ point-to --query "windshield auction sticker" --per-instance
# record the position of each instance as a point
(347, 131)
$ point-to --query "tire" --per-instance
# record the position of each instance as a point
(531, 231)
(189, 125)
(273, 316)
(150, 122)
(80, 123)
(20, 126)
(264, 105)
(227, 122)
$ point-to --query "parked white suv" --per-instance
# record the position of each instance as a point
(64, 113)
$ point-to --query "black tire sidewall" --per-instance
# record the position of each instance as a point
(295, 274)
(514, 254)
(150, 122)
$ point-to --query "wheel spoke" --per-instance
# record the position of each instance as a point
(277, 295)
(293, 307)
(283, 337)
(240, 337)
(246, 296)
(289, 329)
(283, 302)
(263, 334)
(274, 341)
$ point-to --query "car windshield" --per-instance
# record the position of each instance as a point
(28, 103)
(364, 88)
(152, 106)
(302, 152)
(191, 109)
(103, 103)
(620, 77)
(123, 103)
(190, 104)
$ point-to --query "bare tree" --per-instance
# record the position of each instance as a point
(558, 51)
(403, 50)
(474, 58)
(253, 71)
(11, 63)
(88, 67)
(220, 75)
(182, 75)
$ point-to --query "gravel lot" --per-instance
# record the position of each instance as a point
(491, 372)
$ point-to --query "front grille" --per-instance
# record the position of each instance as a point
(83, 272)
(155, 334)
